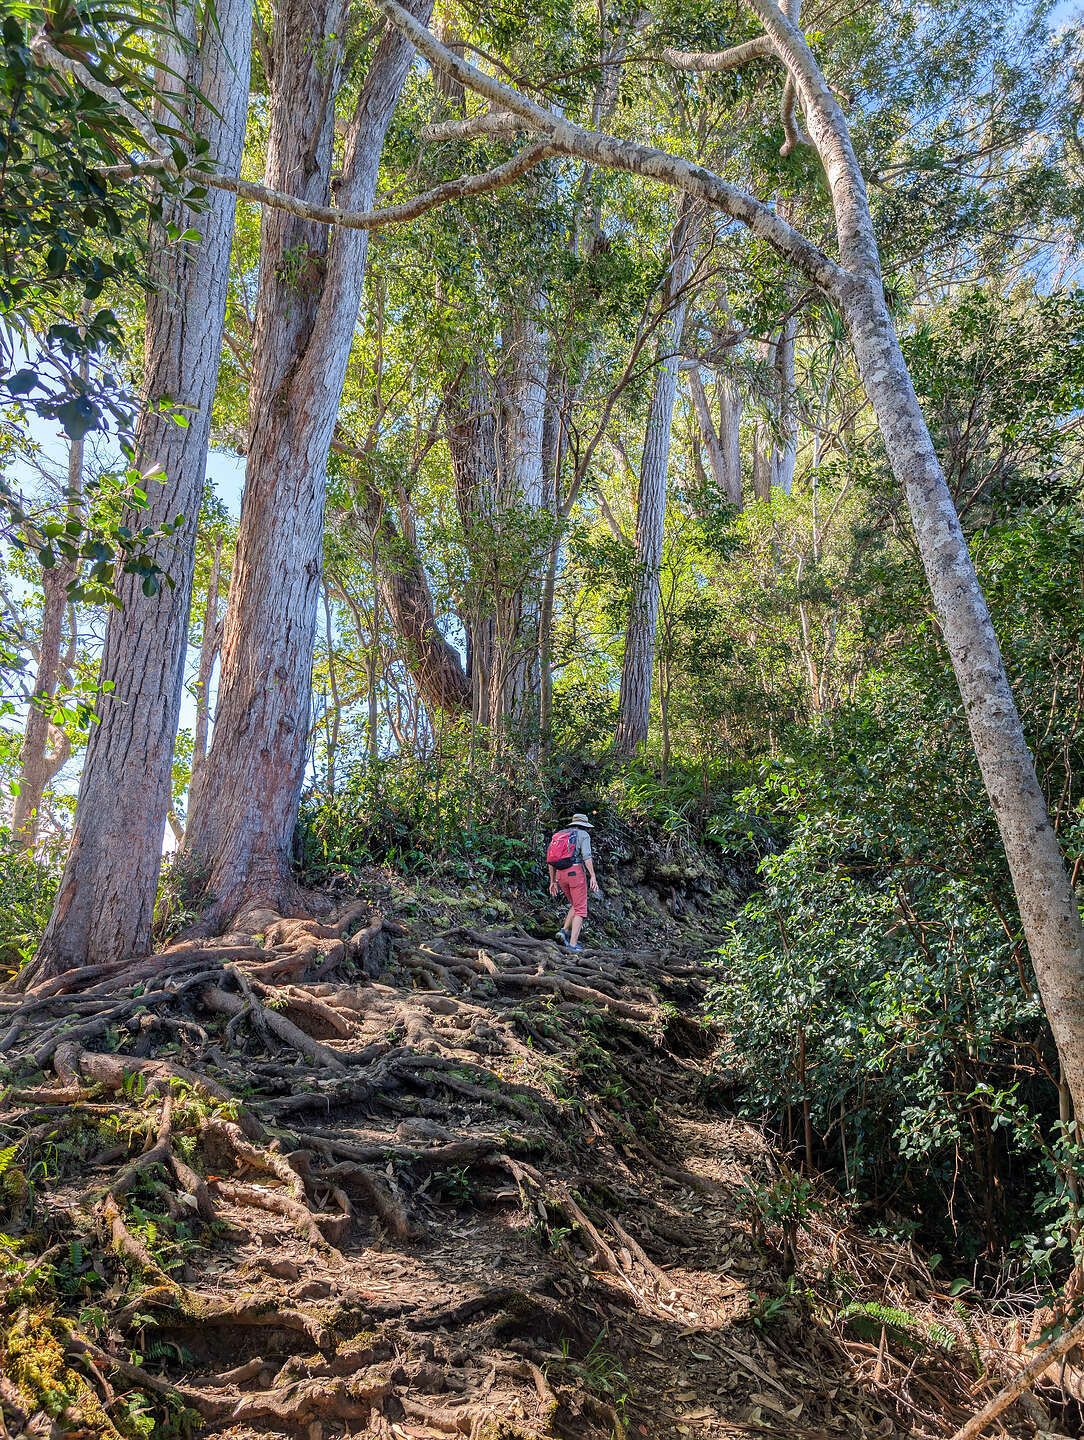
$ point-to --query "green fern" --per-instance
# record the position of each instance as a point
(969, 1330)
(868, 1319)
(7, 1157)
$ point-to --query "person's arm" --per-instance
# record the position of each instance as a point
(588, 860)
(553, 880)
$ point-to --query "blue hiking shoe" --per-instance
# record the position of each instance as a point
(575, 948)
(561, 937)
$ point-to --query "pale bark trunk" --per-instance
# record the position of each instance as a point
(724, 455)
(105, 902)
(372, 663)
(777, 443)
(785, 453)
(241, 831)
(210, 644)
(730, 408)
(553, 451)
(639, 660)
(1048, 906)
(37, 767)
(514, 700)
(335, 709)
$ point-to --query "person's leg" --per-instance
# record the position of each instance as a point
(569, 921)
(577, 893)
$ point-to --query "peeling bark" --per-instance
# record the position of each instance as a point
(241, 828)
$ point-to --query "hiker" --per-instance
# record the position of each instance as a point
(568, 856)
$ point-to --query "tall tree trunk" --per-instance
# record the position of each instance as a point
(639, 660)
(37, 764)
(240, 833)
(105, 902)
(785, 451)
(730, 408)
(777, 443)
(473, 406)
(514, 699)
(724, 456)
(553, 452)
(210, 644)
(1048, 905)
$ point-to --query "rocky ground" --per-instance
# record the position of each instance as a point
(414, 1170)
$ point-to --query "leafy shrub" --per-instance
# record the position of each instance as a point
(879, 977)
(27, 889)
(475, 812)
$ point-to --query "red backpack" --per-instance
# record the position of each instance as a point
(562, 850)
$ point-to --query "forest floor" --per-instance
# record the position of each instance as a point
(408, 1177)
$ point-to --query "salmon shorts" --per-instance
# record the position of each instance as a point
(573, 882)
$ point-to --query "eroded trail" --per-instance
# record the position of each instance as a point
(410, 1181)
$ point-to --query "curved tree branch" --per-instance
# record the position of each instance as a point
(491, 122)
(47, 54)
(730, 59)
(793, 136)
(459, 189)
(569, 139)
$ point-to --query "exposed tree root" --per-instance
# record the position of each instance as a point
(377, 1259)
(224, 1003)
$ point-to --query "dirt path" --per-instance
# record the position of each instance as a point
(359, 1178)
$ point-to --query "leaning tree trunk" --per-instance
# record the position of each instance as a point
(434, 665)
(724, 454)
(37, 766)
(1044, 893)
(240, 832)
(639, 660)
(1048, 906)
(105, 903)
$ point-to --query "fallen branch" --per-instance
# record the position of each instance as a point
(1024, 1381)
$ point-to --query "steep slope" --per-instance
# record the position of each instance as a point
(424, 1179)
